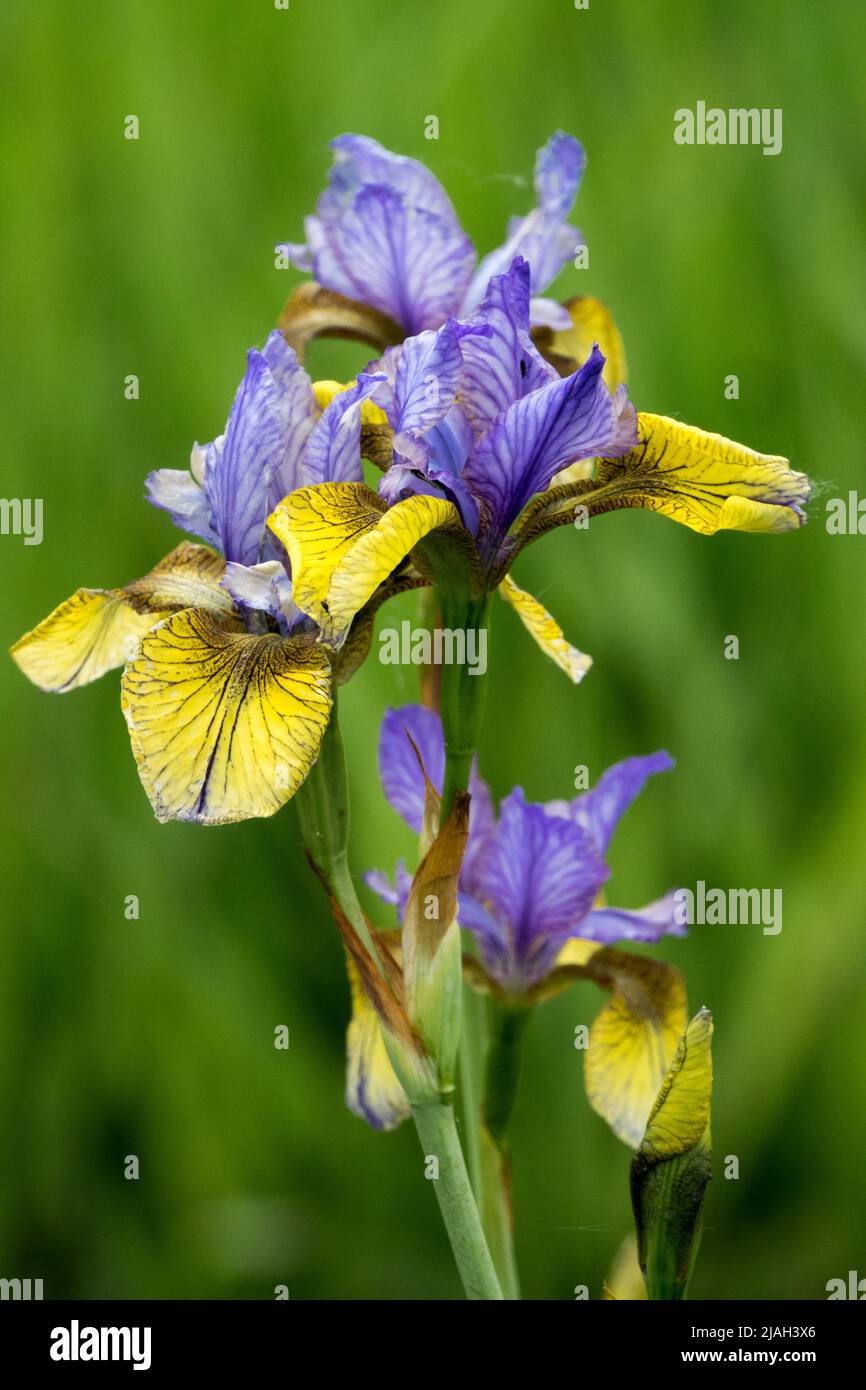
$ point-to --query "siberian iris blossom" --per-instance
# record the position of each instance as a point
(485, 445)
(530, 896)
(227, 690)
(478, 424)
(385, 234)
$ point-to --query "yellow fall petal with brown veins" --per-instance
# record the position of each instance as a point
(377, 553)
(634, 1038)
(703, 480)
(343, 542)
(224, 725)
(87, 635)
(318, 526)
(546, 630)
(98, 629)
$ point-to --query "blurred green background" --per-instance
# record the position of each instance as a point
(155, 1037)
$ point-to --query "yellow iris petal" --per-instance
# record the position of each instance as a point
(635, 1036)
(325, 391)
(702, 480)
(318, 526)
(633, 1039)
(92, 632)
(343, 543)
(372, 1089)
(546, 631)
(680, 1116)
(98, 629)
(224, 726)
(378, 553)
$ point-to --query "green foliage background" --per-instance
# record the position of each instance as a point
(155, 1037)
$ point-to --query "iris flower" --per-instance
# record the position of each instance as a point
(530, 896)
(227, 690)
(503, 421)
(477, 424)
(386, 235)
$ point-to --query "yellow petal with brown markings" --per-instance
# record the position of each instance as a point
(343, 543)
(87, 635)
(318, 526)
(703, 480)
(378, 553)
(633, 1039)
(224, 725)
(98, 629)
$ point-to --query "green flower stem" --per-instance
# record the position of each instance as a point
(496, 1213)
(323, 811)
(473, 1049)
(462, 698)
(438, 1134)
(507, 1027)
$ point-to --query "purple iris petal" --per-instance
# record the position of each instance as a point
(396, 894)
(540, 875)
(426, 377)
(385, 233)
(450, 442)
(175, 491)
(609, 924)
(428, 479)
(504, 365)
(298, 413)
(265, 587)
(408, 262)
(567, 420)
(333, 452)
(359, 160)
(432, 436)
(402, 779)
(239, 476)
(599, 810)
(491, 935)
(543, 238)
(547, 313)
